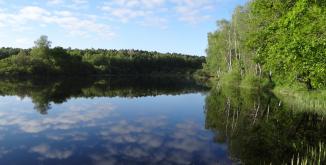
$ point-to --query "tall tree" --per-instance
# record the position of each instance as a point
(41, 48)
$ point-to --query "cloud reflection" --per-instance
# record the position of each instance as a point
(103, 135)
(142, 140)
(72, 117)
(3, 152)
(46, 152)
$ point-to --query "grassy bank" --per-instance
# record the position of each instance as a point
(235, 79)
(315, 155)
(302, 100)
(294, 96)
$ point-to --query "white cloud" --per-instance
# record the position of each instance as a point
(65, 19)
(154, 12)
(64, 13)
(125, 10)
(23, 41)
(137, 3)
(125, 14)
(80, 1)
(69, 4)
(78, 18)
(78, 5)
(59, 2)
(55, 2)
(193, 11)
(155, 22)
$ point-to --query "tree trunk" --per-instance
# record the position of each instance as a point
(308, 84)
(230, 52)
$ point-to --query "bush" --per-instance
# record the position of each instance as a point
(232, 78)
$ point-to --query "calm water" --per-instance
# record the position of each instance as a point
(147, 121)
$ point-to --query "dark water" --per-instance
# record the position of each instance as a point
(148, 121)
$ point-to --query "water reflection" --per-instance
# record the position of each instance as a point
(259, 129)
(88, 124)
(43, 92)
(118, 121)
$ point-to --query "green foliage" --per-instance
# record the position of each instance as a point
(45, 61)
(231, 79)
(315, 155)
(217, 49)
(6, 52)
(284, 41)
(302, 100)
(130, 62)
(294, 40)
(42, 42)
(42, 48)
(251, 81)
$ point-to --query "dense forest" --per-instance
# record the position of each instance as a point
(42, 60)
(279, 42)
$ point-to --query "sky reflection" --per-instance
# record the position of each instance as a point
(165, 130)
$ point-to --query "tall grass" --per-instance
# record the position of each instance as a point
(313, 156)
(303, 100)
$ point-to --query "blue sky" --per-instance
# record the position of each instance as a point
(163, 25)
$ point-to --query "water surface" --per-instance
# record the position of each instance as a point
(147, 121)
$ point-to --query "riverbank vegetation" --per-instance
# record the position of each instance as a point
(254, 122)
(302, 100)
(268, 43)
(42, 60)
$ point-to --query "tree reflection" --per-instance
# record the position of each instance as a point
(44, 91)
(258, 128)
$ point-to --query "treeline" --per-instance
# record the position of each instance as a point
(281, 41)
(47, 91)
(42, 60)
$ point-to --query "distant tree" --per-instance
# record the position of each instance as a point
(43, 42)
(42, 48)
(22, 53)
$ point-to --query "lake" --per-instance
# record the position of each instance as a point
(147, 120)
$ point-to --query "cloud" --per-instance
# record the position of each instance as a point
(193, 11)
(55, 2)
(160, 22)
(145, 4)
(76, 2)
(157, 11)
(100, 19)
(124, 10)
(65, 19)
